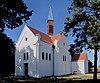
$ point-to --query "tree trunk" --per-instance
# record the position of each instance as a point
(95, 64)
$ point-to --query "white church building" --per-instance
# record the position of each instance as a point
(39, 54)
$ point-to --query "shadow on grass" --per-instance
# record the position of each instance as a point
(42, 80)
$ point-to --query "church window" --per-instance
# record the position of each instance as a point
(42, 55)
(64, 44)
(63, 57)
(27, 55)
(49, 56)
(46, 56)
(26, 39)
(24, 56)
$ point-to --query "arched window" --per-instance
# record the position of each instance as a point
(25, 38)
(63, 58)
(49, 56)
(42, 55)
(46, 56)
(27, 56)
(24, 56)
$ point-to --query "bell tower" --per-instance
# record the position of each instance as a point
(50, 22)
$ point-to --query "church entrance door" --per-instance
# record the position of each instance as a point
(26, 69)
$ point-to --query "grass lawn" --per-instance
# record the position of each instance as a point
(81, 77)
(86, 78)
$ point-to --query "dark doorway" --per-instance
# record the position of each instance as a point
(26, 69)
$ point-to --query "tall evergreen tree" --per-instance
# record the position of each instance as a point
(85, 27)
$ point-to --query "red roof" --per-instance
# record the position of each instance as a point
(46, 37)
(56, 37)
(81, 56)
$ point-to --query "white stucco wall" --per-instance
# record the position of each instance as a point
(78, 67)
(81, 66)
(62, 67)
(86, 65)
(23, 46)
(35, 46)
(19, 63)
(45, 66)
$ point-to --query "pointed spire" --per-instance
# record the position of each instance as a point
(50, 16)
(50, 22)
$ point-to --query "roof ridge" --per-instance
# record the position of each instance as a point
(37, 30)
(57, 34)
(44, 36)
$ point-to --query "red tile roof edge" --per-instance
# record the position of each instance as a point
(81, 56)
(46, 37)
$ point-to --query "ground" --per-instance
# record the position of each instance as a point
(80, 77)
(87, 78)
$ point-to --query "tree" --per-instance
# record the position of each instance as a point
(7, 52)
(85, 26)
(90, 65)
(13, 13)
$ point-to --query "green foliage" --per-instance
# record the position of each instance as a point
(7, 55)
(85, 23)
(85, 27)
(13, 13)
(90, 65)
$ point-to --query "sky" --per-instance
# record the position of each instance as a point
(39, 18)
